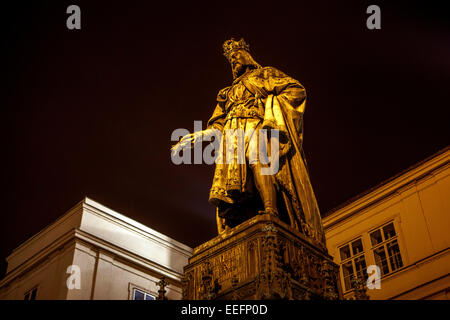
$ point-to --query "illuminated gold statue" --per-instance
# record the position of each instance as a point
(261, 98)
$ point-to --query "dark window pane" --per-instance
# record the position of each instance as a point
(347, 270)
(357, 247)
(33, 294)
(138, 295)
(360, 265)
(394, 255)
(345, 252)
(27, 296)
(375, 237)
(149, 297)
(380, 259)
(389, 231)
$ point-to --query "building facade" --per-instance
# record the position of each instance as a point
(94, 253)
(402, 227)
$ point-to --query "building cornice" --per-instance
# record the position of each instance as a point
(104, 229)
(77, 218)
(47, 253)
(75, 236)
(77, 209)
(122, 254)
(137, 227)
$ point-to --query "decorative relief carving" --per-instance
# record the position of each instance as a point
(269, 228)
(234, 284)
(330, 281)
(228, 265)
(360, 289)
(273, 282)
(252, 258)
(209, 286)
(187, 286)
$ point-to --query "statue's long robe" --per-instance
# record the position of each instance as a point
(267, 98)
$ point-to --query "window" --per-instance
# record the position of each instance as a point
(141, 295)
(30, 295)
(385, 249)
(353, 262)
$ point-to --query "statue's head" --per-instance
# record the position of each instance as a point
(238, 54)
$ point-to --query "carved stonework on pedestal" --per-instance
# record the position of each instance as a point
(262, 258)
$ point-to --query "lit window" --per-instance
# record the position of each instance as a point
(142, 295)
(385, 249)
(30, 295)
(353, 262)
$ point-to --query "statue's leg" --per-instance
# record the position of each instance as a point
(266, 188)
(221, 225)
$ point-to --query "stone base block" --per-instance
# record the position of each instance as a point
(262, 258)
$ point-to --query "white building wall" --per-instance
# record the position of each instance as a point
(114, 254)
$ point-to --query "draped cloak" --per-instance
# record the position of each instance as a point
(267, 98)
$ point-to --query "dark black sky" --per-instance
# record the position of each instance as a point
(90, 112)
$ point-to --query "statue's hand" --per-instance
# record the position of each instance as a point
(187, 142)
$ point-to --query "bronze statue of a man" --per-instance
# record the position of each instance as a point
(261, 98)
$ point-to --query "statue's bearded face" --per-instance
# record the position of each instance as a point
(239, 62)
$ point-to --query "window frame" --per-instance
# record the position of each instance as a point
(352, 258)
(383, 244)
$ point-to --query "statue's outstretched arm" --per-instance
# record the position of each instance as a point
(190, 140)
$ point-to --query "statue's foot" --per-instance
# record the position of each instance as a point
(269, 211)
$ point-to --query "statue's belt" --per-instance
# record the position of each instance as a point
(241, 111)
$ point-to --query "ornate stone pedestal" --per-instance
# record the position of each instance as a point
(262, 258)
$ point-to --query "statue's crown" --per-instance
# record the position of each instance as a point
(232, 45)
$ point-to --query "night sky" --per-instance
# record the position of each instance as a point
(90, 112)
